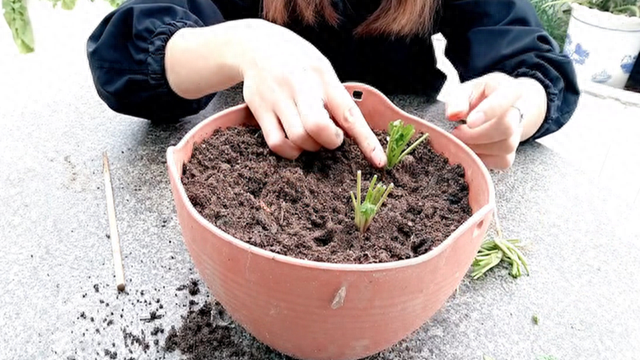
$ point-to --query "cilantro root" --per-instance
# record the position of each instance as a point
(365, 211)
(399, 137)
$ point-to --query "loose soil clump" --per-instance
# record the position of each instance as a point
(303, 209)
(208, 333)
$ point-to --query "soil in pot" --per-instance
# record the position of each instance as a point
(303, 209)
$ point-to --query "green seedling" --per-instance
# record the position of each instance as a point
(365, 211)
(493, 251)
(399, 137)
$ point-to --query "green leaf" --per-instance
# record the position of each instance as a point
(554, 16)
(399, 137)
(115, 3)
(68, 4)
(17, 17)
(365, 211)
(494, 251)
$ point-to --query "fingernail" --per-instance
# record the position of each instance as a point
(455, 116)
(339, 134)
(378, 156)
(475, 119)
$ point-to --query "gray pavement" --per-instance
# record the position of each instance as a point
(583, 252)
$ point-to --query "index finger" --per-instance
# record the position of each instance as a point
(463, 99)
(350, 118)
(494, 105)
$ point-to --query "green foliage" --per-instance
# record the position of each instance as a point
(493, 251)
(554, 18)
(555, 14)
(365, 211)
(17, 17)
(66, 4)
(399, 137)
(618, 7)
(115, 3)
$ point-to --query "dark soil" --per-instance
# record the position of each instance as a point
(208, 333)
(131, 339)
(303, 208)
(153, 316)
(192, 287)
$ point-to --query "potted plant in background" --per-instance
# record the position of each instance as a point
(603, 38)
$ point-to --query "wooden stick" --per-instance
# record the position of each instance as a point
(111, 212)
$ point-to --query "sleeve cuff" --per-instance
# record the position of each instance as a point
(156, 69)
(549, 125)
(157, 46)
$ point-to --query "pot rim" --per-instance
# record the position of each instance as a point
(605, 20)
(476, 219)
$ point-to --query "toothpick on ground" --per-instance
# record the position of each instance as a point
(113, 226)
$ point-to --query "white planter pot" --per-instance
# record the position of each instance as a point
(603, 46)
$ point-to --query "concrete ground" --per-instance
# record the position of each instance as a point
(573, 197)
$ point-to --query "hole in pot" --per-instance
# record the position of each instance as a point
(357, 95)
(478, 228)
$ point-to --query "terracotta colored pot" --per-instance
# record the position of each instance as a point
(321, 311)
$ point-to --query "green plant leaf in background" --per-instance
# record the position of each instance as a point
(68, 4)
(115, 3)
(618, 7)
(554, 17)
(17, 17)
(555, 14)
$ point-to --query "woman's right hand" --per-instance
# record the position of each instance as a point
(294, 93)
(290, 87)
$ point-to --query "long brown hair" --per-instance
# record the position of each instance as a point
(392, 18)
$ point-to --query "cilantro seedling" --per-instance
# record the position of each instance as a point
(365, 211)
(399, 137)
(493, 251)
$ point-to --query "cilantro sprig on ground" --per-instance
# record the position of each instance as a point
(493, 251)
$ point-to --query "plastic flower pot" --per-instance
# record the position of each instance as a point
(603, 46)
(321, 311)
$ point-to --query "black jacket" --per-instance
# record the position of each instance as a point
(126, 52)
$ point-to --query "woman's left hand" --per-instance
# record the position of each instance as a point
(500, 112)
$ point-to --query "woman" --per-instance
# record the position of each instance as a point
(166, 59)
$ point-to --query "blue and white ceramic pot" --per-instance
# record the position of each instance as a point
(603, 46)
